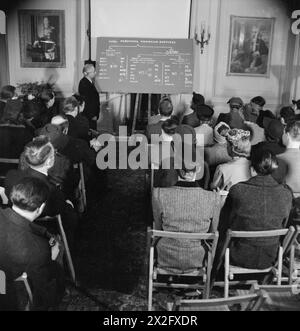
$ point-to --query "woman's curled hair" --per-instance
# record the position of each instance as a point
(264, 162)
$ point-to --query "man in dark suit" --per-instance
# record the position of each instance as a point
(88, 90)
(39, 156)
(25, 247)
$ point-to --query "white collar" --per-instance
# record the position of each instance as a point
(189, 112)
(88, 78)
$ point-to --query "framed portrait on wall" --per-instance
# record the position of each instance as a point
(250, 46)
(42, 38)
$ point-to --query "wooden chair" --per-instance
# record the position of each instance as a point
(68, 256)
(23, 278)
(293, 263)
(81, 187)
(280, 297)
(231, 270)
(11, 162)
(204, 273)
(250, 302)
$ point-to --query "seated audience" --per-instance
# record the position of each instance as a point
(162, 156)
(238, 169)
(218, 153)
(204, 131)
(176, 141)
(13, 138)
(75, 149)
(273, 132)
(184, 208)
(252, 110)
(296, 104)
(49, 104)
(262, 115)
(286, 115)
(10, 106)
(39, 156)
(165, 110)
(25, 247)
(190, 117)
(258, 204)
(291, 156)
(235, 118)
(257, 134)
(78, 124)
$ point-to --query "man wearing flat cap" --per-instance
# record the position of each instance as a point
(235, 118)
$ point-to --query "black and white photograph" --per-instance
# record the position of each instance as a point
(149, 160)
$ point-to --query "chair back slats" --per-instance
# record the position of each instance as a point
(23, 278)
(152, 238)
(69, 260)
(257, 234)
(183, 235)
(249, 301)
(9, 161)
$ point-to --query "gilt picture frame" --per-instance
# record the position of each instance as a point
(250, 46)
(42, 38)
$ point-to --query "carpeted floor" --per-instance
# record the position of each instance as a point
(110, 257)
(111, 246)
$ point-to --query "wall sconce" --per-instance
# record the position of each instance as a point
(204, 37)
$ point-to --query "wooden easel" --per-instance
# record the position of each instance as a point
(137, 109)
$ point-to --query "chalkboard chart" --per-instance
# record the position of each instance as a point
(140, 65)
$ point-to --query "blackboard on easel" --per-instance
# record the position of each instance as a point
(150, 66)
(133, 65)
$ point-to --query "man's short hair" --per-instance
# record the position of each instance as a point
(260, 101)
(87, 67)
(79, 98)
(204, 112)
(165, 107)
(38, 151)
(29, 194)
(169, 126)
(7, 92)
(287, 113)
(293, 129)
(70, 104)
(46, 95)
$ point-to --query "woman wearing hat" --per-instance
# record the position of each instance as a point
(238, 169)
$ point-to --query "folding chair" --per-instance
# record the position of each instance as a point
(82, 189)
(294, 264)
(12, 162)
(250, 302)
(22, 278)
(69, 260)
(231, 270)
(280, 297)
(204, 272)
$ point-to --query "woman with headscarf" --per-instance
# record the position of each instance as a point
(218, 154)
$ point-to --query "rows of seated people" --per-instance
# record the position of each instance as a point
(49, 139)
(254, 160)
